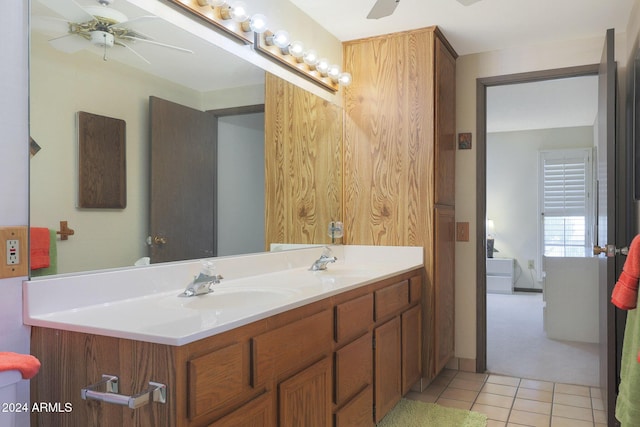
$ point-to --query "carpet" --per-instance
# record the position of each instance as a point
(412, 413)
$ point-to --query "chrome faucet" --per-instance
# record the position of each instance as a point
(201, 284)
(321, 263)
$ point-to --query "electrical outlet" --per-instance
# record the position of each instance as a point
(531, 264)
(462, 231)
(13, 252)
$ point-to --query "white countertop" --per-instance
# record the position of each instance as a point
(143, 304)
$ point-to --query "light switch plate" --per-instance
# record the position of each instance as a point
(462, 231)
(19, 264)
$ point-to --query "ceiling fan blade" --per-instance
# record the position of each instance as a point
(467, 2)
(69, 43)
(68, 9)
(49, 26)
(119, 43)
(138, 39)
(382, 8)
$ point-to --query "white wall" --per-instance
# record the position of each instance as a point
(241, 184)
(468, 69)
(14, 164)
(512, 190)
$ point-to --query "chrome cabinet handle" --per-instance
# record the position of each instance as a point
(156, 392)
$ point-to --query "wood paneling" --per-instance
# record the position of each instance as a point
(303, 164)
(388, 150)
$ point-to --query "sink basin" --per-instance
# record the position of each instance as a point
(230, 298)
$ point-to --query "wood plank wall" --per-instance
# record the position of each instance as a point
(388, 150)
(303, 164)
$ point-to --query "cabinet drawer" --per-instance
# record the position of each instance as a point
(226, 369)
(259, 412)
(354, 368)
(358, 412)
(353, 317)
(392, 299)
(292, 347)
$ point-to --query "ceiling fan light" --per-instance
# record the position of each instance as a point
(102, 38)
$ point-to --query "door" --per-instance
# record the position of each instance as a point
(182, 182)
(607, 222)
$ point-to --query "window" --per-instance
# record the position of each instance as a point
(566, 207)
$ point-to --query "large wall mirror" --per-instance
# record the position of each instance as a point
(72, 74)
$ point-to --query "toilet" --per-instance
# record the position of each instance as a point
(9, 399)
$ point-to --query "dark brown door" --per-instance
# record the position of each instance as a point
(607, 192)
(182, 182)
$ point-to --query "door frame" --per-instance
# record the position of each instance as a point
(481, 181)
(216, 114)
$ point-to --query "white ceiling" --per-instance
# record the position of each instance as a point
(483, 26)
(548, 104)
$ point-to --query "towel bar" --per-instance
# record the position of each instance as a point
(156, 392)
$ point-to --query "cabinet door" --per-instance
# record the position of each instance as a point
(445, 124)
(444, 286)
(305, 398)
(411, 348)
(257, 413)
(388, 365)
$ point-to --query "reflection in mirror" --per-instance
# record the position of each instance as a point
(115, 82)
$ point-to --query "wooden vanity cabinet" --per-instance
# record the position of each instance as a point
(313, 366)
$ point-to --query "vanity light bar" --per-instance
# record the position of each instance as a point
(234, 19)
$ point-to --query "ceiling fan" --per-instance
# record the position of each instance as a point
(101, 26)
(383, 8)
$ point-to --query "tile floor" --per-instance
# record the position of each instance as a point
(516, 402)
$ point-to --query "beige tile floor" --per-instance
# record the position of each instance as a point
(516, 402)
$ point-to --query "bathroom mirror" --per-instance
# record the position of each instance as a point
(116, 82)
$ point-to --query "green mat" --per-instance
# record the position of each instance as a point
(411, 413)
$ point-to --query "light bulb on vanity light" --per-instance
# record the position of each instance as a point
(344, 79)
(281, 39)
(333, 72)
(238, 12)
(310, 58)
(296, 49)
(323, 66)
(217, 3)
(258, 23)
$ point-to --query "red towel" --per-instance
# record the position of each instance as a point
(39, 247)
(25, 363)
(625, 292)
